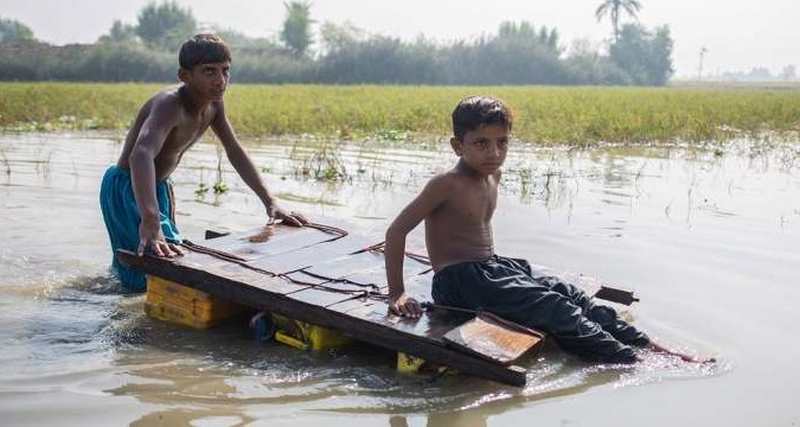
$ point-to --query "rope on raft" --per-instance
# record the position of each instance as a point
(374, 290)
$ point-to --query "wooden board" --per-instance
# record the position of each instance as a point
(306, 257)
(487, 337)
(285, 239)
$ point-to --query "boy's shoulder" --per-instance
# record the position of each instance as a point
(445, 181)
(170, 105)
(166, 102)
(169, 98)
(453, 178)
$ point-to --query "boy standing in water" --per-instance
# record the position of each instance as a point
(457, 207)
(136, 196)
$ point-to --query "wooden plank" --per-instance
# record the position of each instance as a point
(285, 239)
(346, 265)
(360, 327)
(213, 265)
(308, 256)
(620, 296)
(320, 297)
(237, 237)
(363, 268)
(495, 340)
(431, 326)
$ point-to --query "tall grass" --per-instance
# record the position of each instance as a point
(542, 114)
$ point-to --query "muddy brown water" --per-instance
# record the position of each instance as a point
(708, 238)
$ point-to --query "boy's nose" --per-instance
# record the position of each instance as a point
(495, 151)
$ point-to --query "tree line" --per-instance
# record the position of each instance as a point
(517, 53)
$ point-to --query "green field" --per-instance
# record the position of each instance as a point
(543, 114)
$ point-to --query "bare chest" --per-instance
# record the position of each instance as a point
(184, 136)
(472, 207)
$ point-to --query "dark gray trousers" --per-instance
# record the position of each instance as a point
(508, 288)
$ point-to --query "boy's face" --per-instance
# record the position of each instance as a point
(208, 80)
(483, 149)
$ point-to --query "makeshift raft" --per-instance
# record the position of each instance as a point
(325, 279)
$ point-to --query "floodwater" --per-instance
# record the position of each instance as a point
(708, 238)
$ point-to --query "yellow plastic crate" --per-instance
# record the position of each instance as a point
(408, 364)
(173, 314)
(306, 336)
(172, 302)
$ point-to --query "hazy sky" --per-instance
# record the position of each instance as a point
(738, 34)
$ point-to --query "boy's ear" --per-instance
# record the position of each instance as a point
(457, 145)
(184, 75)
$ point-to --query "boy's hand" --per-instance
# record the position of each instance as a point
(289, 218)
(406, 306)
(150, 238)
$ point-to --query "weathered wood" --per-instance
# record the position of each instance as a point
(345, 266)
(486, 337)
(284, 239)
(212, 234)
(372, 324)
(430, 327)
(620, 296)
(305, 257)
(321, 297)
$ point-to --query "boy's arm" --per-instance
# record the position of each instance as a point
(160, 121)
(245, 168)
(432, 196)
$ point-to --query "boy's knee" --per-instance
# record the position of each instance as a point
(602, 314)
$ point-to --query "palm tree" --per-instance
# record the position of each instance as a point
(613, 9)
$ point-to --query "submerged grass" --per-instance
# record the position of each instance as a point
(575, 115)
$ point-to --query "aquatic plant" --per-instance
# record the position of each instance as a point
(201, 190)
(324, 164)
(219, 186)
(6, 163)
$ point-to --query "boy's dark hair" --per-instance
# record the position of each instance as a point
(476, 111)
(203, 49)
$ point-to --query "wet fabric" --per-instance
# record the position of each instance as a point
(121, 215)
(508, 288)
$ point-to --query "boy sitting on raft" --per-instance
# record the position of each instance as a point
(136, 196)
(457, 207)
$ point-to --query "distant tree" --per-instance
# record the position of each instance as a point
(585, 65)
(645, 56)
(229, 35)
(296, 32)
(380, 59)
(119, 33)
(760, 74)
(165, 25)
(13, 30)
(525, 35)
(239, 40)
(613, 8)
(335, 37)
(789, 72)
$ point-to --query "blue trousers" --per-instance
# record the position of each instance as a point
(121, 215)
(507, 287)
